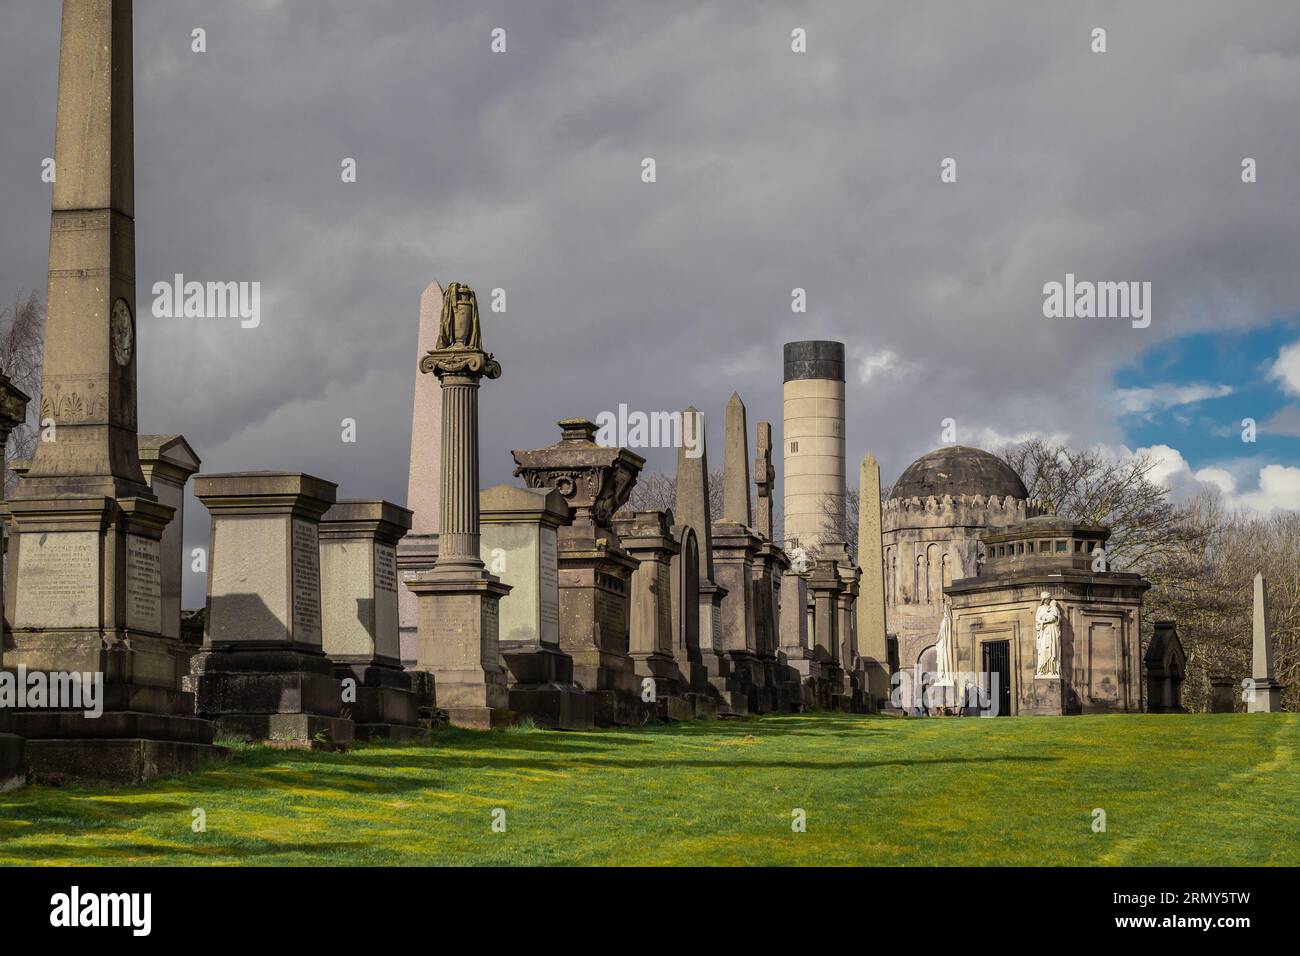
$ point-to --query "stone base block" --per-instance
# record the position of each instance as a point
(674, 708)
(702, 706)
(620, 708)
(383, 696)
(424, 687)
(1267, 697)
(112, 761)
(554, 706)
(13, 762)
(403, 733)
(1049, 700)
(304, 731)
(730, 702)
(1222, 695)
(481, 718)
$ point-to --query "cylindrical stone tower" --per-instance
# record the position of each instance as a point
(813, 443)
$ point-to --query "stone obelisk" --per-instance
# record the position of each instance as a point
(418, 550)
(735, 546)
(88, 594)
(873, 642)
(458, 599)
(693, 510)
(1267, 692)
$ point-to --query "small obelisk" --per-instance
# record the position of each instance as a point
(735, 465)
(418, 550)
(873, 644)
(764, 479)
(88, 594)
(458, 599)
(1266, 695)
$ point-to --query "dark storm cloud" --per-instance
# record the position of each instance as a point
(775, 170)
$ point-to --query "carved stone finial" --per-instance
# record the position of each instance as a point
(459, 348)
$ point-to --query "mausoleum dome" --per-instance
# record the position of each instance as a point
(959, 470)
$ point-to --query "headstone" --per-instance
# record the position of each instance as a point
(825, 584)
(693, 511)
(418, 550)
(1166, 666)
(595, 570)
(1264, 695)
(872, 637)
(168, 462)
(1222, 694)
(359, 630)
(519, 543)
(647, 536)
(13, 750)
(262, 674)
(459, 600)
(88, 595)
(685, 568)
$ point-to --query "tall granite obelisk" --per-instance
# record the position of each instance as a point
(418, 550)
(88, 594)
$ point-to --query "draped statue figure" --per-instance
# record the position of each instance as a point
(1047, 633)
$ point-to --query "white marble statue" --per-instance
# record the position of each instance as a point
(945, 653)
(1047, 633)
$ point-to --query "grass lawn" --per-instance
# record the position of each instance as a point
(1197, 789)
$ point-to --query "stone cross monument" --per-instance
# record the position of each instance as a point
(1265, 694)
(458, 599)
(88, 594)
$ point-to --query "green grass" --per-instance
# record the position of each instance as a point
(1196, 789)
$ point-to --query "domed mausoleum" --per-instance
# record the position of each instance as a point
(931, 525)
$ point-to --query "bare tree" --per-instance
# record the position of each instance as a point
(22, 335)
(658, 492)
(1093, 487)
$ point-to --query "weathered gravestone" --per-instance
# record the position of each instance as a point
(648, 537)
(595, 569)
(1166, 665)
(359, 618)
(519, 544)
(262, 674)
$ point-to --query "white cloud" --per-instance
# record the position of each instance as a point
(1278, 486)
(879, 363)
(1140, 401)
(1287, 368)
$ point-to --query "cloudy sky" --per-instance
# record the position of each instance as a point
(775, 170)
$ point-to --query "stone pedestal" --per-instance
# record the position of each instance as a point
(647, 536)
(459, 599)
(168, 462)
(262, 674)
(1223, 691)
(518, 543)
(734, 549)
(770, 566)
(1264, 696)
(801, 672)
(359, 620)
(1049, 697)
(825, 584)
(13, 749)
(595, 570)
